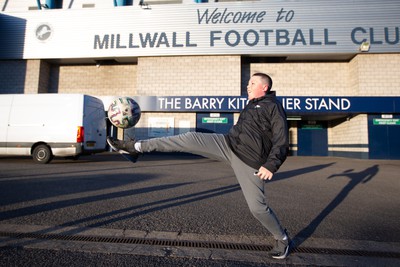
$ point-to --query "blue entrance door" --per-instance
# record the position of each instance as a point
(214, 122)
(312, 139)
(383, 137)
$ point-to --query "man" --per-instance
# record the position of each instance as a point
(255, 147)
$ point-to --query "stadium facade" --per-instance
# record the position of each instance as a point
(335, 64)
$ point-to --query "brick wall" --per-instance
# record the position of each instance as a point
(93, 80)
(44, 77)
(379, 75)
(293, 137)
(349, 136)
(307, 79)
(24, 76)
(189, 75)
(354, 130)
(364, 75)
(32, 77)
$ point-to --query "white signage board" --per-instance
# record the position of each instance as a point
(243, 28)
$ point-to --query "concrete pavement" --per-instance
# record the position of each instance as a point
(341, 212)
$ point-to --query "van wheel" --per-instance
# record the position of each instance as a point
(42, 154)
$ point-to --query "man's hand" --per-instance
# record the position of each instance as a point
(264, 173)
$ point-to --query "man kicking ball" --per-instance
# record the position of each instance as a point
(255, 147)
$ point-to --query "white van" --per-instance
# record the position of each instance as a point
(48, 125)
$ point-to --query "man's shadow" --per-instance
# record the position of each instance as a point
(355, 178)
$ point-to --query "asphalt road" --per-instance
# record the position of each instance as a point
(323, 202)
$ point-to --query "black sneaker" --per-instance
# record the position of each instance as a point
(281, 248)
(125, 148)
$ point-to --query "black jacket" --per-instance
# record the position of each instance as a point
(260, 137)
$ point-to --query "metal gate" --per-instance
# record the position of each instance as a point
(383, 136)
(312, 139)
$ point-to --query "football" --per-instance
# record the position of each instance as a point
(124, 112)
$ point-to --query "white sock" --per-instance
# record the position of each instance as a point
(138, 146)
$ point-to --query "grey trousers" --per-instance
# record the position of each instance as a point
(214, 146)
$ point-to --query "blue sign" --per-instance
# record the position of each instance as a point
(292, 104)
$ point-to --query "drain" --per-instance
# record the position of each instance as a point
(198, 244)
